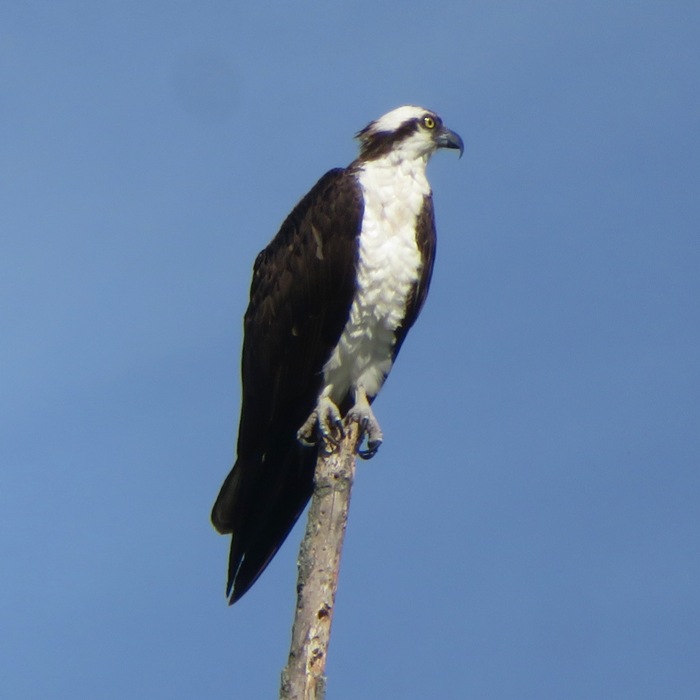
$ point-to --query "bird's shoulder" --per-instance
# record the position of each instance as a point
(317, 240)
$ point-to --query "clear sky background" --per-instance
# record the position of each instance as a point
(530, 528)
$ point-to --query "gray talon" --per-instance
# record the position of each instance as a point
(321, 425)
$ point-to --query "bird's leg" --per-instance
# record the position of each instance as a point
(361, 412)
(324, 422)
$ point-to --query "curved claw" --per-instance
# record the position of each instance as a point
(371, 450)
(330, 426)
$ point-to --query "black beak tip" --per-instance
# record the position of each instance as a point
(451, 139)
(459, 144)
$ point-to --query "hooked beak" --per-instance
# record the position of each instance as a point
(446, 138)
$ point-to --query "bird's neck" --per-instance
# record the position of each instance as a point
(395, 174)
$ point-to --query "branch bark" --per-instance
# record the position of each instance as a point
(319, 562)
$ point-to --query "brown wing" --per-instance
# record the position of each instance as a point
(426, 240)
(302, 290)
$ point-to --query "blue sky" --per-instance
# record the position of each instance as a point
(530, 528)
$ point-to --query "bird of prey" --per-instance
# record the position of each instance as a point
(331, 300)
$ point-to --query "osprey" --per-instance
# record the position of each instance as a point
(332, 298)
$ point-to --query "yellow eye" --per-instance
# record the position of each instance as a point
(428, 122)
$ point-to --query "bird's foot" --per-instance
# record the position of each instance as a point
(324, 423)
(370, 431)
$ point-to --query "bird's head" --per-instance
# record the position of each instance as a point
(409, 132)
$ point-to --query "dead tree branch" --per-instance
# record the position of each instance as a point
(319, 562)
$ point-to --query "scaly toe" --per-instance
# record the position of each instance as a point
(323, 424)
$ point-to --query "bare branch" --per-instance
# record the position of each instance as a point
(319, 562)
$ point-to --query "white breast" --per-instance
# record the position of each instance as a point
(389, 265)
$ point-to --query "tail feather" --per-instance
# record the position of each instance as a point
(222, 514)
(259, 503)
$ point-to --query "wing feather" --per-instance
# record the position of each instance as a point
(427, 241)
